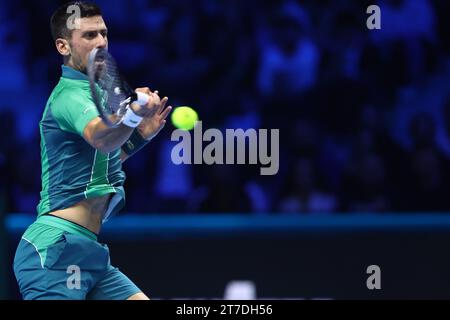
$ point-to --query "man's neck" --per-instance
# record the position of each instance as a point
(72, 65)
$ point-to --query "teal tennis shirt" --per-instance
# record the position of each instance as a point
(72, 170)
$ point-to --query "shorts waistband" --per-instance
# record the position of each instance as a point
(66, 225)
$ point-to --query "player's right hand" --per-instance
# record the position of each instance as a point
(153, 105)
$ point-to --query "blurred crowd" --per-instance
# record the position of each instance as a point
(364, 115)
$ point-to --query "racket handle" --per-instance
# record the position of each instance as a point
(142, 98)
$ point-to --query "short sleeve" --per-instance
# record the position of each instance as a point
(73, 111)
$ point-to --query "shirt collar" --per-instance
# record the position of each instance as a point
(70, 73)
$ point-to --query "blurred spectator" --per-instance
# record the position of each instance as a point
(428, 190)
(224, 191)
(304, 193)
(289, 57)
(364, 187)
(364, 116)
(426, 170)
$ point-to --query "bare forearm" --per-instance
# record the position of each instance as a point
(106, 139)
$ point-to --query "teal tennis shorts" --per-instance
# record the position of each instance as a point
(57, 259)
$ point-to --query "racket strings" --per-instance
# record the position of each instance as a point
(114, 95)
(110, 82)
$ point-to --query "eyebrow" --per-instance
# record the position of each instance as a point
(95, 30)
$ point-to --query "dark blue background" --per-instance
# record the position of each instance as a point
(364, 115)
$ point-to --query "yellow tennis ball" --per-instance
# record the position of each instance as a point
(184, 118)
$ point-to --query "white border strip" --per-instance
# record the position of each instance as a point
(42, 262)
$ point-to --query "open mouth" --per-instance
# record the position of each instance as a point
(99, 59)
(100, 62)
(100, 65)
(100, 56)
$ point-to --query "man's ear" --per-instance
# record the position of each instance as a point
(63, 47)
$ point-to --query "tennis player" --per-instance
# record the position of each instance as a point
(58, 256)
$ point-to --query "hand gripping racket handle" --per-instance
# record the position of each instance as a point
(142, 98)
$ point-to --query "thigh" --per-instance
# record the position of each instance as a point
(38, 282)
(113, 286)
(69, 269)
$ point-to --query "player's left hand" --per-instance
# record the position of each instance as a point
(152, 125)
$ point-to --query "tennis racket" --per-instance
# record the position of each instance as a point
(111, 94)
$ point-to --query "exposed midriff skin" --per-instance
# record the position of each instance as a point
(87, 213)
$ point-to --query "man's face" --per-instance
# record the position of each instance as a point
(92, 33)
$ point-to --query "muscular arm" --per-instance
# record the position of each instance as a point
(149, 128)
(104, 138)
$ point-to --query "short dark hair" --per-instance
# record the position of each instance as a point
(58, 21)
